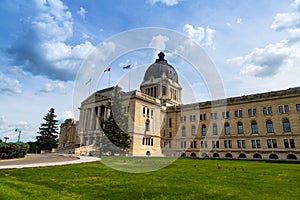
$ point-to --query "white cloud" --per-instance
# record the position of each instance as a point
(57, 87)
(166, 2)
(65, 115)
(203, 36)
(9, 85)
(267, 61)
(43, 48)
(239, 21)
(82, 12)
(159, 42)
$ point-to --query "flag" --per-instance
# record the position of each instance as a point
(126, 67)
(107, 70)
(89, 81)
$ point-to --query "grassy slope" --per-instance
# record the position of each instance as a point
(183, 179)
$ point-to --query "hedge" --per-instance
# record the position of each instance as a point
(13, 150)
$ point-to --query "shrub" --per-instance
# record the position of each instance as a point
(13, 150)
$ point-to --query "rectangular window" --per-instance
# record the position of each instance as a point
(253, 143)
(274, 142)
(298, 107)
(170, 122)
(286, 143)
(269, 110)
(240, 113)
(170, 134)
(217, 144)
(205, 144)
(216, 115)
(223, 115)
(280, 109)
(228, 114)
(230, 143)
(204, 116)
(244, 143)
(211, 115)
(191, 118)
(236, 114)
(225, 144)
(200, 117)
(151, 113)
(144, 110)
(239, 144)
(269, 144)
(195, 144)
(286, 108)
(213, 144)
(194, 117)
(292, 143)
(264, 110)
(250, 112)
(254, 111)
(258, 144)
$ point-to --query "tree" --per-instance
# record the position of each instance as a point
(115, 127)
(48, 132)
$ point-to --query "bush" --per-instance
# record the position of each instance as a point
(13, 150)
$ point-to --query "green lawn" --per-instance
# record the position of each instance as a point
(183, 179)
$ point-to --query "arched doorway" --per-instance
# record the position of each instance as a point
(183, 155)
(257, 156)
(216, 155)
(193, 155)
(228, 155)
(291, 157)
(273, 156)
(148, 153)
(242, 155)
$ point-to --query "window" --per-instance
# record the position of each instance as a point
(286, 143)
(204, 116)
(164, 90)
(144, 110)
(183, 144)
(239, 144)
(183, 131)
(298, 107)
(193, 130)
(269, 110)
(280, 109)
(286, 125)
(230, 143)
(269, 143)
(236, 114)
(214, 115)
(170, 122)
(240, 113)
(274, 142)
(253, 143)
(201, 117)
(254, 111)
(147, 141)
(170, 134)
(250, 112)
(147, 125)
(225, 144)
(269, 125)
(243, 143)
(254, 127)
(264, 110)
(215, 129)
(286, 108)
(258, 144)
(292, 143)
(203, 130)
(204, 144)
(227, 129)
(193, 144)
(240, 128)
(225, 115)
(215, 144)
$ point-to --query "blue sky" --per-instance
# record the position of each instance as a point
(43, 45)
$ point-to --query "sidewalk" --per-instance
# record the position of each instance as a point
(40, 160)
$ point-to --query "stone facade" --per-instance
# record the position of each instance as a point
(256, 126)
(68, 137)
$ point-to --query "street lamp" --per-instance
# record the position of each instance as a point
(6, 138)
(18, 130)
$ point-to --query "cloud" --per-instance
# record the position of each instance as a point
(42, 49)
(239, 21)
(53, 88)
(159, 42)
(264, 62)
(65, 115)
(203, 36)
(166, 2)
(82, 12)
(9, 85)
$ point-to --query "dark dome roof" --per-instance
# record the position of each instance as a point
(161, 66)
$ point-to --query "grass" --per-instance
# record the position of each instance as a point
(183, 179)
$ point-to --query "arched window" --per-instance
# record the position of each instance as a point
(215, 129)
(254, 127)
(269, 125)
(227, 128)
(183, 131)
(286, 125)
(240, 128)
(193, 130)
(147, 125)
(203, 130)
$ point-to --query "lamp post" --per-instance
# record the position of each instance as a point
(18, 130)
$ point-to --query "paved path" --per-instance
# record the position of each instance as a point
(40, 160)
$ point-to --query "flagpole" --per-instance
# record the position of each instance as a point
(90, 87)
(129, 78)
(109, 78)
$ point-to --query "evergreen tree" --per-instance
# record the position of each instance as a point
(48, 132)
(116, 127)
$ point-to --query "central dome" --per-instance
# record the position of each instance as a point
(161, 68)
